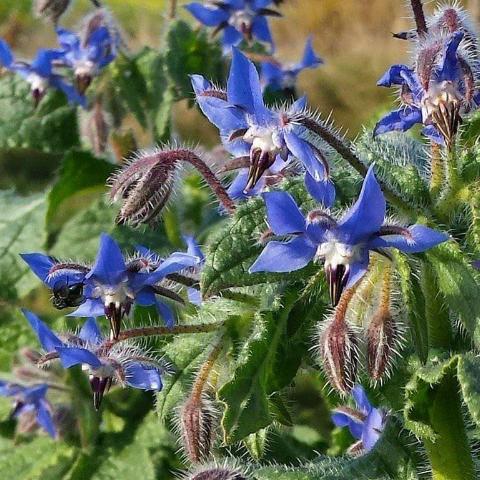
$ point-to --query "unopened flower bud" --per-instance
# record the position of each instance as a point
(197, 427)
(382, 335)
(51, 9)
(217, 473)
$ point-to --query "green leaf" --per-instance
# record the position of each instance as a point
(256, 443)
(22, 229)
(81, 177)
(51, 128)
(190, 52)
(234, 249)
(469, 378)
(457, 283)
(267, 363)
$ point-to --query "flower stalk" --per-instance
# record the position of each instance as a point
(419, 16)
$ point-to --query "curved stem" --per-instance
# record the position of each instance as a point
(419, 16)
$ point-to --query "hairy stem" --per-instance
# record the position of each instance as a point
(419, 16)
(210, 178)
(173, 9)
(436, 170)
(450, 454)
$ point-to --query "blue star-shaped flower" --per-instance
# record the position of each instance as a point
(193, 248)
(128, 366)
(366, 423)
(239, 19)
(113, 284)
(30, 399)
(40, 74)
(251, 130)
(88, 54)
(284, 77)
(435, 94)
(343, 245)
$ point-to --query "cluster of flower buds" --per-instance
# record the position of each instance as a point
(441, 86)
(84, 54)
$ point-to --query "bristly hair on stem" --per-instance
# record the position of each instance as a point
(419, 15)
(145, 184)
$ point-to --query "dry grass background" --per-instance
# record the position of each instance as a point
(352, 36)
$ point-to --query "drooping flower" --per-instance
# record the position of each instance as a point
(278, 76)
(344, 245)
(239, 20)
(40, 74)
(91, 50)
(365, 423)
(126, 364)
(437, 92)
(113, 284)
(250, 130)
(28, 400)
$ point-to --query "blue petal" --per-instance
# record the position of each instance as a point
(211, 17)
(231, 37)
(236, 189)
(200, 84)
(310, 59)
(6, 57)
(193, 248)
(48, 340)
(90, 332)
(298, 105)
(450, 69)
(70, 356)
(304, 152)
(285, 257)
(323, 191)
(432, 133)
(372, 428)
(67, 39)
(361, 399)
(194, 296)
(72, 94)
(91, 307)
(258, 4)
(109, 267)
(144, 378)
(271, 75)
(174, 263)
(40, 264)
(358, 268)
(166, 313)
(341, 418)
(366, 216)
(42, 64)
(243, 87)
(44, 419)
(35, 394)
(399, 120)
(422, 238)
(261, 30)
(283, 214)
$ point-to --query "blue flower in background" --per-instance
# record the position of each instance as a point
(128, 365)
(239, 19)
(343, 245)
(279, 76)
(113, 284)
(435, 94)
(365, 424)
(30, 399)
(193, 248)
(251, 130)
(89, 52)
(40, 74)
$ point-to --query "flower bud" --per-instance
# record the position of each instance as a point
(382, 335)
(339, 354)
(217, 473)
(51, 9)
(197, 428)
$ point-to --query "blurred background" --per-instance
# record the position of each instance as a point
(354, 37)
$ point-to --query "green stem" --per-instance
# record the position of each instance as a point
(450, 454)
(436, 170)
(451, 196)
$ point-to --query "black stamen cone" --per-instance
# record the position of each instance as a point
(99, 386)
(337, 278)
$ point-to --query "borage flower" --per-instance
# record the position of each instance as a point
(193, 248)
(30, 400)
(239, 20)
(440, 89)
(278, 76)
(253, 132)
(343, 245)
(365, 423)
(88, 52)
(40, 74)
(127, 364)
(114, 284)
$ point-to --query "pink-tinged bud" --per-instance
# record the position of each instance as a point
(197, 428)
(146, 183)
(382, 336)
(339, 354)
(216, 473)
(51, 9)
(30, 355)
(95, 127)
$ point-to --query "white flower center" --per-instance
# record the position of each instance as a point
(335, 253)
(264, 139)
(118, 294)
(37, 82)
(85, 68)
(104, 371)
(241, 19)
